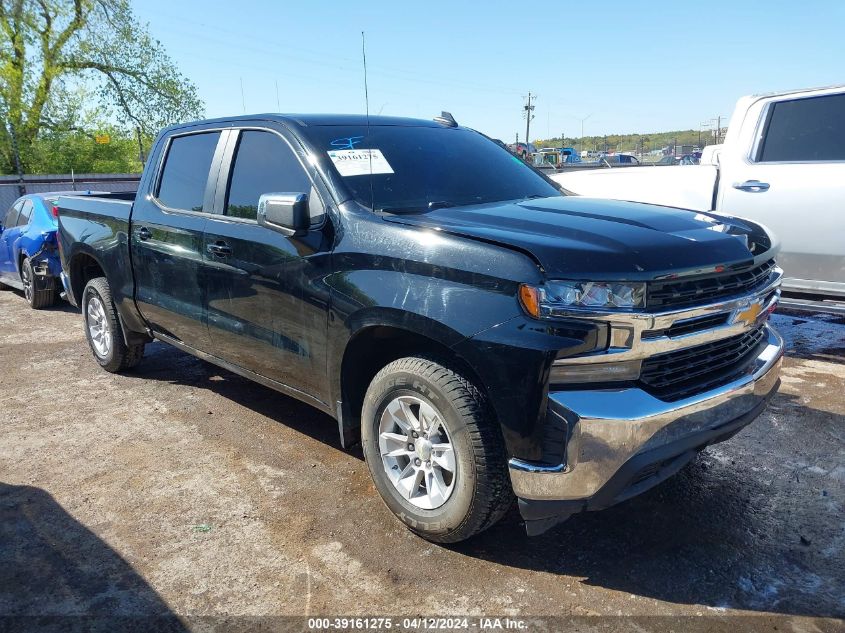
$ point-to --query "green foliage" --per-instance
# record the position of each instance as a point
(61, 152)
(632, 142)
(71, 65)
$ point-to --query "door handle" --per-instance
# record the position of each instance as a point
(144, 234)
(220, 249)
(754, 186)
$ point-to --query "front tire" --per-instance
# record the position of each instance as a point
(38, 298)
(103, 329)
(434, 451)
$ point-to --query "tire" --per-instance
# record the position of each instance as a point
(38, 298)
(457, 504)
(103, 329)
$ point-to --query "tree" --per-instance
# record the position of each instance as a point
(56, 54)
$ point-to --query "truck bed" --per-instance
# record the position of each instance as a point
(98, 225)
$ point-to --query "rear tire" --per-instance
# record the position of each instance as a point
(455, 430)
(38, 298)
(103, 329)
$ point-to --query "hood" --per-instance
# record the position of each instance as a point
(574, 237)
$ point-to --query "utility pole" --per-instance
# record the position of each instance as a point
(715, 132)
(528, 110)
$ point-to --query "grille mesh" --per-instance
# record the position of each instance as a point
(676, 294)
(678, 374)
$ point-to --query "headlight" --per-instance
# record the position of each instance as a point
(558, 297)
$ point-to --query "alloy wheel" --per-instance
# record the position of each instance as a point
(417, 453)
(98, 327)
(26, 278)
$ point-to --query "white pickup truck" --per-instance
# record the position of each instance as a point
(782, 164)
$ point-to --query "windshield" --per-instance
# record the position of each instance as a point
(420, 168)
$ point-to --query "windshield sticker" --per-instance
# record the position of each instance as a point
(348, 142)
(360, 162)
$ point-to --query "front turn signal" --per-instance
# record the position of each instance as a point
(529, 297)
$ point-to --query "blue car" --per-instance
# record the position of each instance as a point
(29, 256)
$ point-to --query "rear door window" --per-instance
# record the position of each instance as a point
(26, 213)
(264, 163)
(805, 130)
(186, 168)
(11, 217)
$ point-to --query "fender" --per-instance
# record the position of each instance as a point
(430, 284)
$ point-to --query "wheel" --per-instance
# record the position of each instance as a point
(103, 329)
(38, 297)
(434, 451)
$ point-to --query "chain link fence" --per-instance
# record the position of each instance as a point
(11, 187)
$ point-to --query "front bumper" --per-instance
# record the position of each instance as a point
(623, 441)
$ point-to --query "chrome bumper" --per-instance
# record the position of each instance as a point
(609, 427)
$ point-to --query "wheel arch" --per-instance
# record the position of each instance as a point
(376, 344)
(82, 268)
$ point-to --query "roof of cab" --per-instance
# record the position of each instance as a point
(308, 120)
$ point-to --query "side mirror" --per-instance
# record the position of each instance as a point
(287, 213)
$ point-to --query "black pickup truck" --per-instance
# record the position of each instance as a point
(484, 335)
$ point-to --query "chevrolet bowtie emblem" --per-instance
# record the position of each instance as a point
(749, 314)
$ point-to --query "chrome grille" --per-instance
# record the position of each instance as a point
(700, 290)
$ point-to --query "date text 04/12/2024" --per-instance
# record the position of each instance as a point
(416, 624)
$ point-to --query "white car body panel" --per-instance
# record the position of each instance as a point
(686, 186)
(801, 202)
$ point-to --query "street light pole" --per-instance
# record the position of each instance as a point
(582, 129)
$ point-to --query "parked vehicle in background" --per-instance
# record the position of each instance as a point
(483, 335)
(551, 158)
(523, 150)
(782, 164)
(29, 260)
(619, 160)
(667, 161)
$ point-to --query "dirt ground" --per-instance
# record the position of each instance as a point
(180, 488)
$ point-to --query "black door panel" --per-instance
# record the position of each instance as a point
(170, 281)
(167, 239)
(261, 311)
(267, 307)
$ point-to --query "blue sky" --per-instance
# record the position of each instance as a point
(632, 66)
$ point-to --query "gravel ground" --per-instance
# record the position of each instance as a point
(182, 489)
